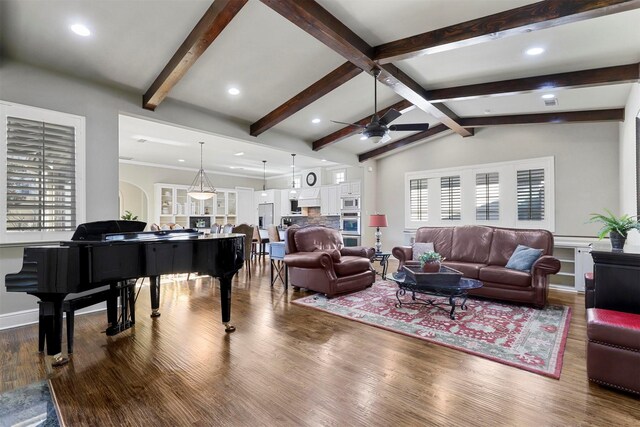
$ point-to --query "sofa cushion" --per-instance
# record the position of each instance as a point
(419, 248)
(349, 265)
(441, 237)
(468, 269)
(311, 239)
(506, 240)
(497, 274)
(523, 258)
(471, 243)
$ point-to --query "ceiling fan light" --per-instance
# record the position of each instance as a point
(375, 135)
(375, 139)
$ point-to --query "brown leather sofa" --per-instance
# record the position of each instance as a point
(613, 350)
(318, 260)
(481, 252)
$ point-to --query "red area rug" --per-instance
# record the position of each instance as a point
(515, 335)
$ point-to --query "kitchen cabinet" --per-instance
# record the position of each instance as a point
(330, 200)
(285, 203)
(226, 207)
(174, 206)
(350, 189)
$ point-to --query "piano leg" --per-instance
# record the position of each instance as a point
(225, 302)
(154, 287)
(52, 312)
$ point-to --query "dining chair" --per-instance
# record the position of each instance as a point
(228, 228)
(247, 230)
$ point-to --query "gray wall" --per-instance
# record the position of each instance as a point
(586, 169)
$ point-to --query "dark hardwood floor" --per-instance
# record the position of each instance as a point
(289, 365)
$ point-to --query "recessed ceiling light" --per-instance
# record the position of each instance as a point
(315, 121)
(487, 111)
(548, 96)
(234, 91)
(80, 30)
(323, 160)
(235, 167)
(241, 153)
(181, 160)
(534, 51)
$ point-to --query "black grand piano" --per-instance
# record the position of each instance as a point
(112, 252)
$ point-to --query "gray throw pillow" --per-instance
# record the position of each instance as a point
(523, 258)
(420, 248)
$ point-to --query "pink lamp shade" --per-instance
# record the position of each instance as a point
(378, 220)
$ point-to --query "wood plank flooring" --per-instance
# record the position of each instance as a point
(292, 366)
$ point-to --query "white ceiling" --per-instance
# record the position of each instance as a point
(270, 60)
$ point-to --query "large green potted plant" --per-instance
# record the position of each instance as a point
(616, 227)
(430, 262)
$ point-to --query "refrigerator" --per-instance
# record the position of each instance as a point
(265, 215)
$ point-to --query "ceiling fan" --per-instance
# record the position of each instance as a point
(377, 130)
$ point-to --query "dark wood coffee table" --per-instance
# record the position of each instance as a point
(458, 290)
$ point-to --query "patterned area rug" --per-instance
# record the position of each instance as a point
(28, 406)
(519, 336)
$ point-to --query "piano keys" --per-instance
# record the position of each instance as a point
(54, 271)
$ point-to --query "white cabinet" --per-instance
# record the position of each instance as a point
(574, 254)
(349, 189)
(226, 207)
(285, 203)
(330, 200)
(269, 197)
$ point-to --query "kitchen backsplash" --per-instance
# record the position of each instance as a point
(314, 217)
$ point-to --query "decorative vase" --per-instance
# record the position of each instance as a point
(431, 267)
(617, 240)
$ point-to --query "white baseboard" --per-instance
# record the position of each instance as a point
(29, 317)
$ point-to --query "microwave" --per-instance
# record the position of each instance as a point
(350, 203)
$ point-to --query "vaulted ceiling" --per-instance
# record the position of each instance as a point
(459, 65)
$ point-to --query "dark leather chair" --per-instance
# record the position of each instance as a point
(318, 260)
(613, 350)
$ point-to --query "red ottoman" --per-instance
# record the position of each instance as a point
(613, 351)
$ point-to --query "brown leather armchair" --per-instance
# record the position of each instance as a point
(317, 260)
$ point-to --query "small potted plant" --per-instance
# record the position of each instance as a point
(128, 216)
(616, 227)
(430, 262)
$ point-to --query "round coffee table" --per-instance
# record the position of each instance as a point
(458, 290)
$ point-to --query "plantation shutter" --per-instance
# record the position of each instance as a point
(531, 195)
(418, 199)
(487, 196)
(41, 176)
(450, 198)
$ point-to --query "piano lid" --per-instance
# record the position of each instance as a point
(94, 231)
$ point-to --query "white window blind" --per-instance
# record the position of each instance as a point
(419, 199)
(531, 195)
(450, 205)
(40, 176)
(487, 196)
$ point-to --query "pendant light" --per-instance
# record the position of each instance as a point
(201, 188)
(264, 178)
(293, 191)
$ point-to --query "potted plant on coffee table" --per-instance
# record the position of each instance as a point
(430, 262)
(616, 227)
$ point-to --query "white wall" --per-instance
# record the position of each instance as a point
(627, 152)
(134, 200)
(586, 168)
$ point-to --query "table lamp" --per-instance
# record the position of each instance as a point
(378, 220)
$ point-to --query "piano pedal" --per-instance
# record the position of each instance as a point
(59, 360)
(229, 328)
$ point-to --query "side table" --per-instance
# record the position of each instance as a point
(278, 268)
(383, 257)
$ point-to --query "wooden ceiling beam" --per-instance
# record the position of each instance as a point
(610, 115)
(596, 77)
(212, 23)
(532, 17)
(345, 132)
(318, 22)
(331, 81)
(419, 136)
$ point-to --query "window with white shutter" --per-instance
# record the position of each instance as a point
(450, 205)
(419, 200)
(487, 196)
(43, 174)
(531, 195)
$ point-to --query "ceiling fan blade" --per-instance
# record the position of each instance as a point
(390, 116)
(410, 126)
(348, 124)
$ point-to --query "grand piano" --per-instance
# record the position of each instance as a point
(110, 253)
